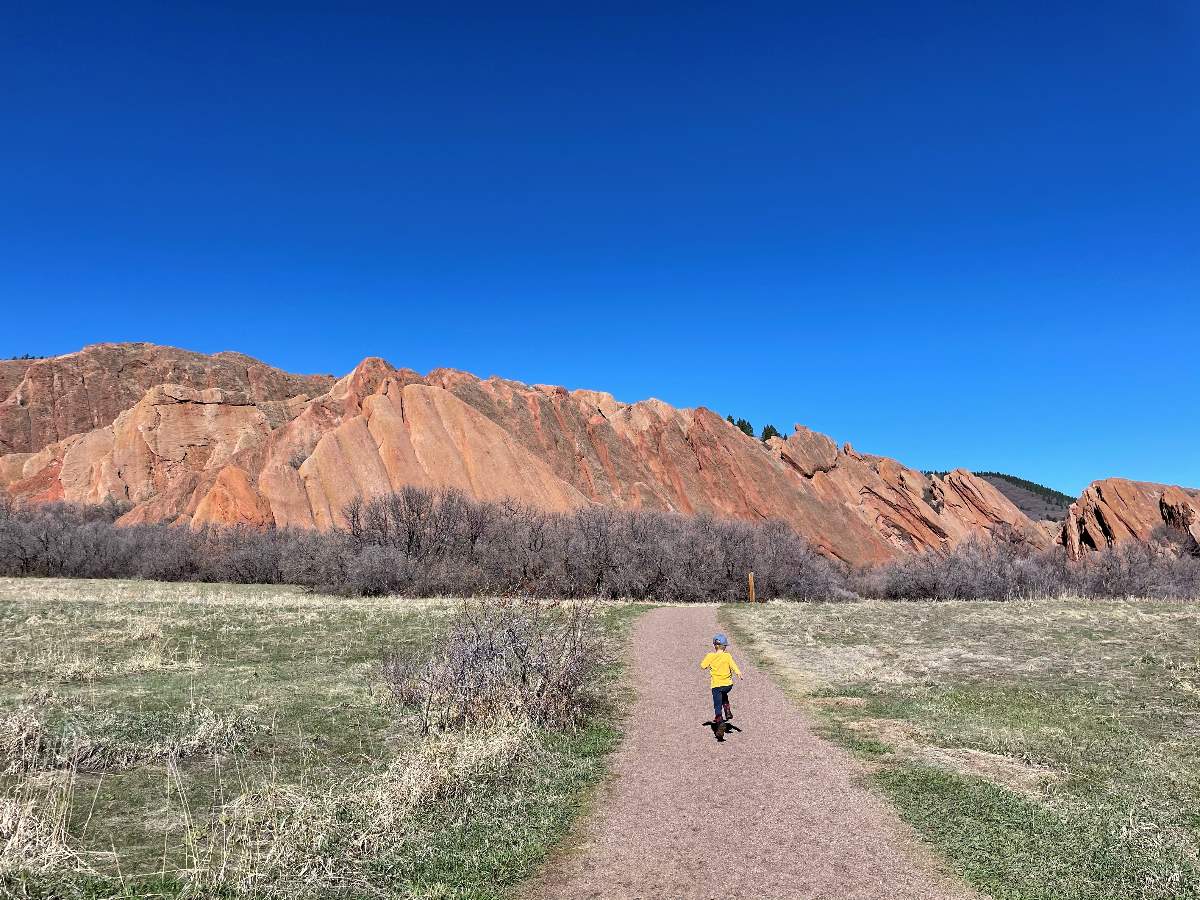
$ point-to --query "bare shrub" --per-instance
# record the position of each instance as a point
(424, 543)
(1139, 570)
(785, 565)
(1006, 568)
(505, 661)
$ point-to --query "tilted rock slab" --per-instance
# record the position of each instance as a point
(1116, 511)
(249, 451)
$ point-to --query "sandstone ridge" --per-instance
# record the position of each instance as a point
(191, 439)
(1116, 511)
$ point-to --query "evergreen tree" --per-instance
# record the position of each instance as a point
(741, 424)
(769, 431)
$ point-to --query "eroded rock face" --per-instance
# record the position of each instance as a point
(173, 437)
(233, 500)
(421, 435)
(253, 450)
(806, 451)
(1181, 511)
(61, 396)
(1116, 511)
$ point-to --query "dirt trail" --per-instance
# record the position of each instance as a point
(772, 813)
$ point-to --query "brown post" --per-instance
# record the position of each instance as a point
(750, 578)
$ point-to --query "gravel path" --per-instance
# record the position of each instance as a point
(787, 820)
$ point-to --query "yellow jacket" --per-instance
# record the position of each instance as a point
(720, 664)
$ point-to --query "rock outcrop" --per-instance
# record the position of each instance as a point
(194, 440)
(1116, 511)
(47, 400)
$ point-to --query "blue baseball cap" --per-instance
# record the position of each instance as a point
(721, 639)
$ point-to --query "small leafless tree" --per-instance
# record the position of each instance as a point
(502, 660)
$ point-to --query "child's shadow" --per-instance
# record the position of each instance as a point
(720, 729)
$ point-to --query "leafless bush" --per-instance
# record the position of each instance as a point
(505, 661)
(996, 569)
(420, 542)
(1139, 570)
(427, 543)
(1009, 569)
(1175, 541)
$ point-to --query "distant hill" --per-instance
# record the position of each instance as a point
(1035, 500)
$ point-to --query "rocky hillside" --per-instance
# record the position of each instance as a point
(191, 439)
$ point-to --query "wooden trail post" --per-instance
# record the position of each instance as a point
(750, 579)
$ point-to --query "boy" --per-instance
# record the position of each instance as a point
(721, 669)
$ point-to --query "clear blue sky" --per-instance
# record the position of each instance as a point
(950, 234)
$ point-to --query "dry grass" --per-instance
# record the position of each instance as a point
(197, 740)
(107, 740)
(907, 643)
(319, 840)
(33, 830)
(1049, 748)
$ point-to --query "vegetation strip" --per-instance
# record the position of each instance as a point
(421, 543)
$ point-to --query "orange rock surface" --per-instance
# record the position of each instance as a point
(47, 400)
(1117, 511)
(192, 440)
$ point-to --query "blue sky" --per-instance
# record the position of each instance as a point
(952, 235)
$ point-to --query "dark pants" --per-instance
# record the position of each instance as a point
(720, 698)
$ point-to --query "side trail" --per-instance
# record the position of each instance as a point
(773, 812)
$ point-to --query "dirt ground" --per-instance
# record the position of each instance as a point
(774, 812)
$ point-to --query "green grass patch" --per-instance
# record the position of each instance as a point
(1011, 847)
(1048, 749)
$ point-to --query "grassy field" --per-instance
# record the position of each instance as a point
(1049, 749)
(167, 739)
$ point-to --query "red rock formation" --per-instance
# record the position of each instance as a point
(1181, 511)
(61, 396)
(1116, 511)
(232, 500)
(232, 443)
